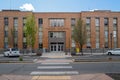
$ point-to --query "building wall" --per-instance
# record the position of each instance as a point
(66, 28)
(102, 14)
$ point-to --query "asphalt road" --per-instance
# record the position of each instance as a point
(81, 67)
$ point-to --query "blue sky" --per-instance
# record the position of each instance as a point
(61, 5)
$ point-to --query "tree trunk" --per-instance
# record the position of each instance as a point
(81, 49)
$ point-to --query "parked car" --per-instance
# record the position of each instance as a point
(115, 51)
(11, 52)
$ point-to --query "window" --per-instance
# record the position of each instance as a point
(6, 33)
(15, 33)
(97, 22)
(40, 22)
(24, 39)
(88, 21)
(6, 45)
(97, 45)
(24, 45)
(114, 21)
(6, 22)
(114, 33)
(73, 21)
(15, 21)
(24, 21)
(56, 34)
(106, 21)
(40, 45)
(40, 33)
(106, 34)
(56, 22)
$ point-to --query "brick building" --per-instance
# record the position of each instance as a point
(55, 29)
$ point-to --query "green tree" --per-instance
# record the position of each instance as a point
(79, 34)
(30, 31)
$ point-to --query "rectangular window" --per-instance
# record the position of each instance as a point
(97, 45)
(56, 22)
(88, 21)
(15, 33)
(24, 21)
(24, 45)
(40, 22)
(97, 22)
(106, 22)
(6, 33)
(115, 21)
(15, 22)
(73, 21)
(106, 34)
(56, 34)
(40, 45)
(6, 21)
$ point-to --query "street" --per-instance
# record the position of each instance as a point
(82, 68)
(59, 66)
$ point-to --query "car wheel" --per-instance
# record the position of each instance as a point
(8, 55)
(109, 53)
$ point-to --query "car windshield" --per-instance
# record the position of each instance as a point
(14, 49)
(116, 49)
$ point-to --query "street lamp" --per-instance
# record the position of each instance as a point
(111, 39)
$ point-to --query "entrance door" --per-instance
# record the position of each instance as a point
(56, 46)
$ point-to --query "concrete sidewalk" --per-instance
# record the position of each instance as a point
(56, 55)
(98, 76)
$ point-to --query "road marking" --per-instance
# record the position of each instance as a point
(53, 67)
(51, 77)
(46, 63)
(35, 77)
(53, 73)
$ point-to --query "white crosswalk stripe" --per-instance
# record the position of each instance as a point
(60, 63)
(48, 65)
(54, 67)
(54, 73)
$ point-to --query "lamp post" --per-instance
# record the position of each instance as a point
(111, 39)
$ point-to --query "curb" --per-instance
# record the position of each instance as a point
(94, 60)
(16, 61)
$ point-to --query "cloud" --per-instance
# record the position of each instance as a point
(27, 7)
(93, 9)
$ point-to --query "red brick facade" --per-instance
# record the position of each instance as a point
(66, 28)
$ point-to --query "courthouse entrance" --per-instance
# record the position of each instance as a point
(57, 47)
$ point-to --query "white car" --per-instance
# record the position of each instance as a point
(11, 52)
(115, 51)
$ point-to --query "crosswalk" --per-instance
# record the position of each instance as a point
(54, 69)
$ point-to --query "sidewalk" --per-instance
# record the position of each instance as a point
(56, 55)
(98, 76)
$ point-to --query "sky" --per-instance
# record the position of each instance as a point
(60, 5)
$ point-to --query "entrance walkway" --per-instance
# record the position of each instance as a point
(55, 55)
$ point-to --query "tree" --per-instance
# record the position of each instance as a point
(79, 34)
(30, 31)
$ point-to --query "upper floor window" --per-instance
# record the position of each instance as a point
(56, 22)
(6, 22)
(88, 20)
(97, 22)
(106, 22)
(24, 21)
(40, 22)
(56, 34)
(15, 21)
(114, 21)
(73, 21)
